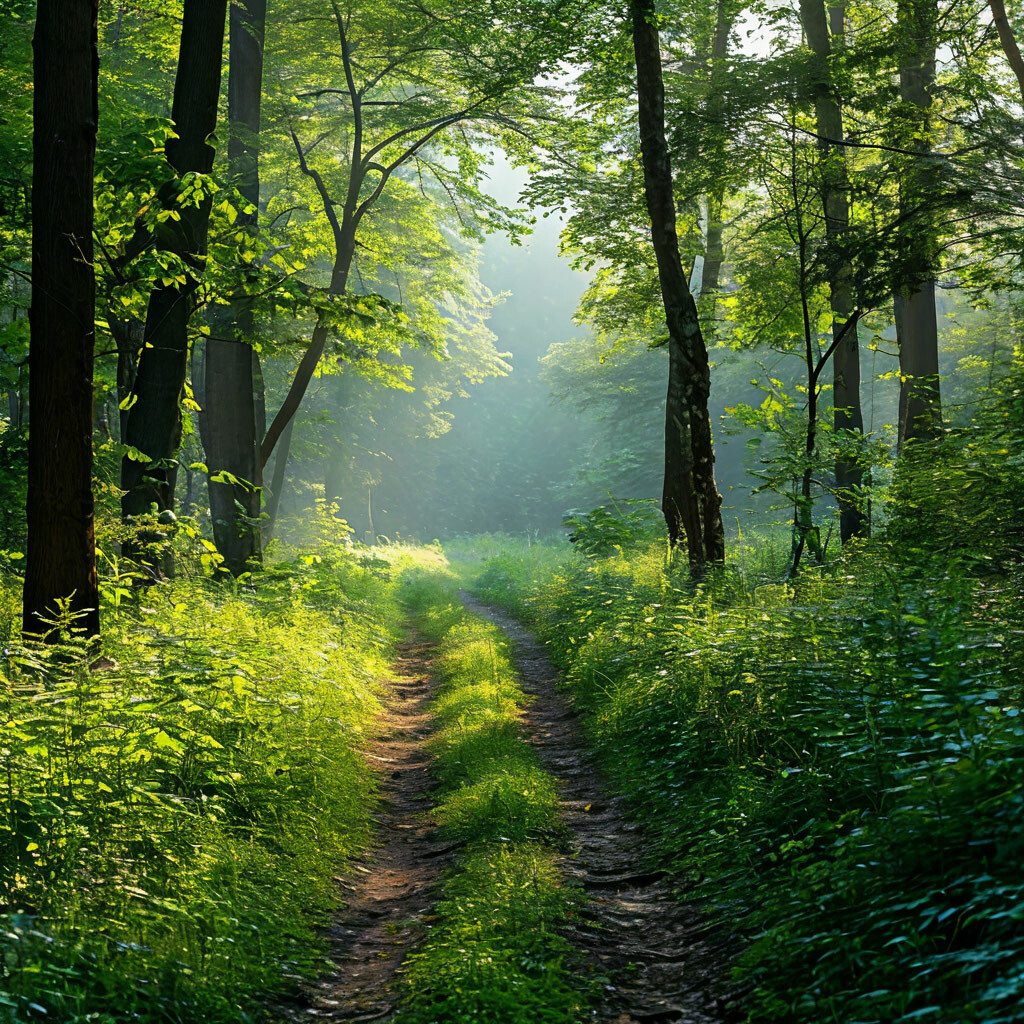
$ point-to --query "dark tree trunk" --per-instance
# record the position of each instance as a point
(61, 542)
(848, 414)
(916, 327)
(231, 440)
(690, 500)
(153, 424)
(920, 409)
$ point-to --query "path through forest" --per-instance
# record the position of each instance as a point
(652, 948)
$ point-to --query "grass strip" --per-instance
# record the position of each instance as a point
(495, 951)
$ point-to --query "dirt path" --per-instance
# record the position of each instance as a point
(662, 966)
(393, 887)
(652, 948)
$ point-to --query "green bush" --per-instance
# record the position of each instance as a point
(170, 823)
(836, 763)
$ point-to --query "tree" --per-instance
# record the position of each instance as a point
(690, 500)
(1008, 41)
(424, 91)
(61, 544)
(835, 196)
(232, 430)
(920, 413)
(153, 423)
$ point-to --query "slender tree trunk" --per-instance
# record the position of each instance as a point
(153, 424)
(61, 542)
(1008, 41)
(128, 336)
(804, 530)
(916, 326)
(231, 440)
(259, 397)
(334, 473)
(711, 279)
(714, 253)
(690, 501)
(311, 357)
(848, 414)
(277, 482)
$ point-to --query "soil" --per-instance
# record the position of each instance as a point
(656, 958)
(393, 886)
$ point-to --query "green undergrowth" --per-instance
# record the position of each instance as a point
(836, 762)
(494, 953)
(171, 822)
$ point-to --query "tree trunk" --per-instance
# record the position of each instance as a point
(231, 439)
(311, 357)
(1008, 42)
(714, 253)
(848, 414)
(277, 482)
(334, 475)
(128, 336)
(61, 541)
(920, 414)
(690, 500)
(153, 424)
(916, 327)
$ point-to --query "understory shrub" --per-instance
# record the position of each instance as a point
(172, 815)
(837, 762)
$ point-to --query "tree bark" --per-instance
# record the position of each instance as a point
(916, 326)
(848, 413)
(691, 503)
(153, 424)
(311, 357)
(714, 252)
(1008, 41)
(231, 440)
(61, 540)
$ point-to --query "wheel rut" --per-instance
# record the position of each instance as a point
(392, 887)
(662, 963)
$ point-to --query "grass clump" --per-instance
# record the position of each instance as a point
(170, 826)
(495, 953)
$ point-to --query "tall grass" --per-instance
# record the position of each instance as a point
(171, 822)
(837, 764)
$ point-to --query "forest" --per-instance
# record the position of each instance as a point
(511, 511)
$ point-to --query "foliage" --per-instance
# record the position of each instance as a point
(173, 814)
(605, 529)
(835, 764)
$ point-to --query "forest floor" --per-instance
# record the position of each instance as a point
(652, 951)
